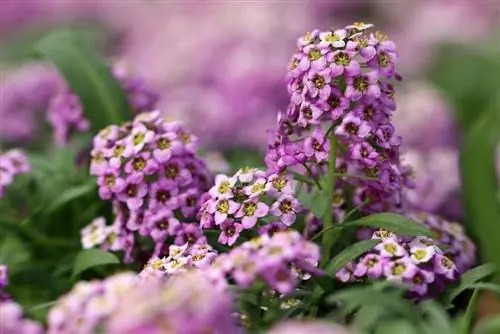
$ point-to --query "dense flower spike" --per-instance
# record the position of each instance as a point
(187, 303)
(150, 171)
(65, 112)
(242, 201)
(340, 84)
(12, 321)
(12, 163)
(280, 260)
(416, 261)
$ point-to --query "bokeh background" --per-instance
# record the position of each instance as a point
(220, 65)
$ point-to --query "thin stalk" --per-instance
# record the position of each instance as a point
(328, 236)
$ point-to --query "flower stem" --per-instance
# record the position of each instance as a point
(328, 236)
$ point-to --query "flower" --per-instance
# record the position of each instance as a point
(153, 195)
(307, 327)
(13, 322)
(12, 163)
(94, 233)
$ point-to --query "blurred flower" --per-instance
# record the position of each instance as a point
(151, 173)
(423, 118)
(12, 321)
(436, 177)
(25, 94)
(12, 163)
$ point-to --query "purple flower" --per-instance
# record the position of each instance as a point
(162, 224)
(444, 266)
(163, 194)
(223, 186)
(230, 232)
(141, 164)
(250, 211)
(343, 62)
(364, 48)
(400, 270)
(139, 137)
(286, 207)
(309, 114)
(335, 104)
(281, 278)
(362, 85)
(316, 145)
(371, 265)
(420, 281)
(318, 84)
(222, 208)
(189, 233)
(352, 126)
(390, 248)
(313, 58)
(133, 193)
(365, 153)
(110, 183)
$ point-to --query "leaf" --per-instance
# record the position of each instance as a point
(71, 195)
(349, 254)
(13, 253)
(488, 326)
(470, 277)
(437, 319)
(92, 258)
(479, 187)
(315, 201)
(103, 99)
(393, 222)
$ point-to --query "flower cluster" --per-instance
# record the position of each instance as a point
(238, 203)
(341, 92)
(12, 163)
(88, 305)
(279, 260)
(151, 172)
(459, 247)
(308, 327)
(186, 303)
(65, 112)
(12, 321)
(179, 259)
(416, 261)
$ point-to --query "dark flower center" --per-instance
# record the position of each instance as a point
(230, 231)
(361, 83)
(171, 171)
(138, 163)
(342, 58)
(333, 101)
(319, 81)
(131, 190)
(184, 136)
(163, 143)
(307, 112)
(163, 195)
(352, 128)
(383, 59)
(162, 224)
(109, 179)
(118, 150)
(286, 206)
(191, 200)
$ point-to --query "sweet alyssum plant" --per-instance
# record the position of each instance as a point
(323, 231)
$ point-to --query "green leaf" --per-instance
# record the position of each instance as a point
(393, 222)
(103, 99)
(479, 186)
(437, 319)
(315, 201)
(70, 195)
(488, 326)
(13, 253)
(349, 254)
(92, 258)
(470, 277)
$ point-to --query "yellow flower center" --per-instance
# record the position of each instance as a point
(224, 186)
(223, 206)
(163, 143)
(249, 208)
(314, 54)
(138, 138)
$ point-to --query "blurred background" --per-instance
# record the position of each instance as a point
(220, 66)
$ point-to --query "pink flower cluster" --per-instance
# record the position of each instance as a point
(238, 203)
(340, 84)
(185, 303)
(150, 171)
(12, 321)
(416, 261)
(280, 260)
(12, 163)
(65, 112)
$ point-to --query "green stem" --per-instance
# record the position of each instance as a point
(328, 236)
(303, 179)
(311, 175)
